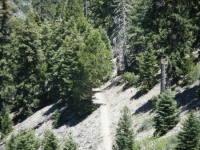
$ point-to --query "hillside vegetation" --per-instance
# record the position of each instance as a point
(90, 69)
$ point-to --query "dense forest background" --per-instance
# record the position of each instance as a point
(58, 50)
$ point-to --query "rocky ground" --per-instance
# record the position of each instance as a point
(97, 131)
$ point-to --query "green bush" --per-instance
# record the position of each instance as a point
(130, 78)
(57, 119)
(192, 75)
(151, 143)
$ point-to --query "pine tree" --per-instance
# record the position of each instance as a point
(101, 16)
(147, 69)
(45, 8)
(95, 60)
(12, 143)
(23, 141)
(3, 16)
(5, 122)
(124, 134)
(50, 141)
(74, 8)
(70, 144)
(28, 59)
(188, 138)
(65, 71)
(80, 63)
(6, 64)
(165, 27)
(166, 117)
(194, 15)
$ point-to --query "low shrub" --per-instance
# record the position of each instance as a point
(130, 77)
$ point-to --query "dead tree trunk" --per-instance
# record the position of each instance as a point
(163, 75)
(86, 9)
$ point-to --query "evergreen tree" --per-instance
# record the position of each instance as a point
(101, 16)
(166, 117)
(124, 134)
(80, 63)
(23, 141)
(12, 143)
(165, 28)
(74, 8)
(3, 16)
(188, 138)
(70, 144)
(147, 70)
(194, 15)
(5, 76)
(5, 122)
(50, 141)
(65, 67)
(45, 8)
(95, 60)
(28, 59)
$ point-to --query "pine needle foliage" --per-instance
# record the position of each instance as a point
(70, 144)
(5, 122)
(23, 141)
(188, 138)
(50, 141)
(124, 134)
(166, 117)
(147, 70)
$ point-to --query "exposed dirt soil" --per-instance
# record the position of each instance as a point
(97, 131)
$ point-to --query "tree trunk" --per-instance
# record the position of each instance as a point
(163, 75)
(86, 9)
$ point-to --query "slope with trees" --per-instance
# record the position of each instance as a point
(63, 49)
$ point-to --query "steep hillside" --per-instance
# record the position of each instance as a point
(97, 131)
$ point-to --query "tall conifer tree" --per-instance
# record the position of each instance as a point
(28, 59)
(188, 138)
(124, 134)
(166, 117)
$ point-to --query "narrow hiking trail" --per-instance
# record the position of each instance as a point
(105, 125)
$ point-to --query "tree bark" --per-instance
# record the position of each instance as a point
(163, 75)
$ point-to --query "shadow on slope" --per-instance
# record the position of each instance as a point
(114, 82)
(126, 86)
(72, 117)
(187, 99)
(144, 108)
(138, 94)
(52, 109)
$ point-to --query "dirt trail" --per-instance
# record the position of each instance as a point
(105, 129)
